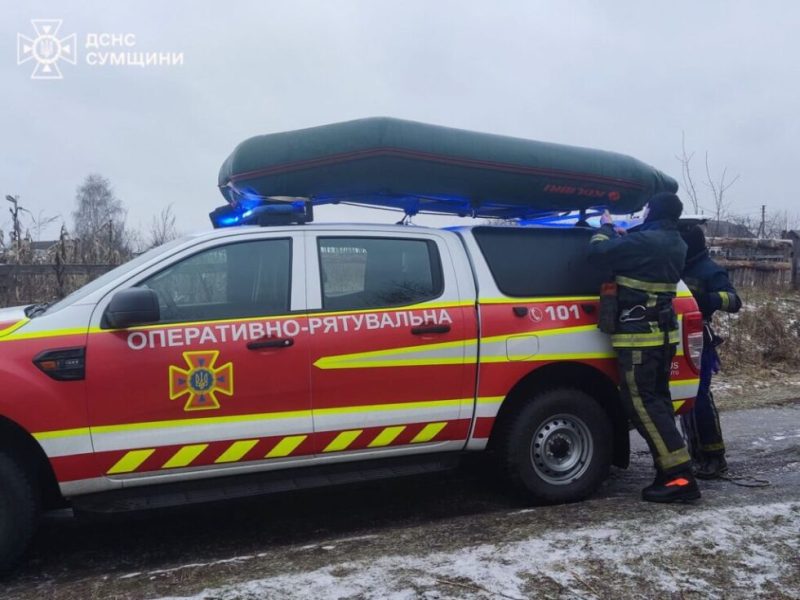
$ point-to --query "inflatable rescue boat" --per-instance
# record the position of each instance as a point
(427, 168)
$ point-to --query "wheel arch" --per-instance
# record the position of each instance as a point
(21, 445)
(578, 375)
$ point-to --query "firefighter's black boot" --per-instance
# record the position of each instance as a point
(711, 466)
(681, 487)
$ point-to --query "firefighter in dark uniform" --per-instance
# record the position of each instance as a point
(647, 265)
(713, 291)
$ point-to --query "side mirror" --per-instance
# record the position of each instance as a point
(133, 306)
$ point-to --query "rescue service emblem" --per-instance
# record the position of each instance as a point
(202, 381)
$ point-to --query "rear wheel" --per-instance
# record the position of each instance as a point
(19, 511)
(558, 446)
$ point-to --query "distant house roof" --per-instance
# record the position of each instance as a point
(727, 229)
(43, 246)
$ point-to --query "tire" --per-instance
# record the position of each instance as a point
(557, 447)
(19, 511)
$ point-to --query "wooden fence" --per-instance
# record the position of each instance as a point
(754, 262)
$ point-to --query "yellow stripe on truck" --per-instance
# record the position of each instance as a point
(236, 451)
(131, 461)
(185, 456)
(343, 440)
(286, 446)
(387, 436)
(428, 432)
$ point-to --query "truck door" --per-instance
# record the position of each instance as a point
(393, 344)
(221, 382)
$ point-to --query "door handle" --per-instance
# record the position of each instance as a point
(425, 329)
(270, 343)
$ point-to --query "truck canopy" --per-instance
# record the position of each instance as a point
(427, 168)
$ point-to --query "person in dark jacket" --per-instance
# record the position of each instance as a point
(647, 266)
(713, 291)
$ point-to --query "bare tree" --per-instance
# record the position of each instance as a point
(686, 172)
(718, 204)
(99, 221)
(162, 227)
(718, 189)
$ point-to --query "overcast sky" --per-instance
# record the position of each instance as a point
(622, 76)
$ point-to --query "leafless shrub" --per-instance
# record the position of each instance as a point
(765, 334)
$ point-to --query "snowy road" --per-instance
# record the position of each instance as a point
(453, 536)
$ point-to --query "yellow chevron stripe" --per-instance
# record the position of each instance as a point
(131, 461)
(185, 456)
(428, 432)
(387, 436)
(200, 421)
(286, 446)
(676, 405)
(343, 440)
(236, 451)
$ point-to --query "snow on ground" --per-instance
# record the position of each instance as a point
(679, 555)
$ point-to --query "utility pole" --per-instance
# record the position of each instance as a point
(763, 225)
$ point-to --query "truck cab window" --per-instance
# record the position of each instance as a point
(361, 273)
(246, 279)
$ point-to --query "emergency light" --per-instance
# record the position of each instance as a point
(264, 212)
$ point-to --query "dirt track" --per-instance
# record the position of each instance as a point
(453, 536)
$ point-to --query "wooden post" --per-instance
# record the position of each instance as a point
(795, 237)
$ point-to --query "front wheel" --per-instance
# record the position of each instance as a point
(558, 446)
(19, 511)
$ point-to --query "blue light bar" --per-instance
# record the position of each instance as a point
(264, 213)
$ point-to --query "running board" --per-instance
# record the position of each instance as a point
(273, 482)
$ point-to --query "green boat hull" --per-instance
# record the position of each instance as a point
(420, 167)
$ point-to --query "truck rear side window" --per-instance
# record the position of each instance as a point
(540, 262)
(367, 272)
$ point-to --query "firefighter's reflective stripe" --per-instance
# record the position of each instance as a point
(665, 458)
(599, 237)
(647, 286)
(643, 340)
(725, 301)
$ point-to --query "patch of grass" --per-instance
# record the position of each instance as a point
(765, 334)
